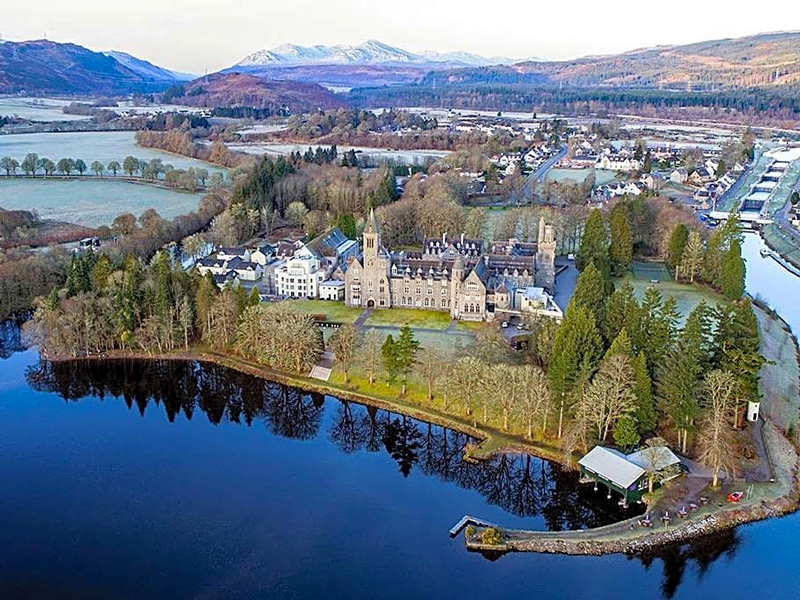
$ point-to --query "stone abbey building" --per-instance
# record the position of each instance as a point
(467, 278)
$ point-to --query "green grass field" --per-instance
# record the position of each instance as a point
(397, 317)
(336, 312)
(687, 296)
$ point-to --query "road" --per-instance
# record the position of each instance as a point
(539, 174)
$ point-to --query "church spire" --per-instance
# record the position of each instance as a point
(372, 223)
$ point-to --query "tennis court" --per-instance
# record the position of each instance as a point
(651, 271)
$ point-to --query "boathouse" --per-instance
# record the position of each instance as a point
(613, 469)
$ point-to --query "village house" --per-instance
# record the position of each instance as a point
(611, 162)
(679, 175)
(456, 275)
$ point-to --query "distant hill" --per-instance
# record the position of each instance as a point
(147, 69)
(42, 66)
(369, 64)
(371, 52)
(241, 89)
(758, 60)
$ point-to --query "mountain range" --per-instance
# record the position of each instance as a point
(371, 52)
(46, 67)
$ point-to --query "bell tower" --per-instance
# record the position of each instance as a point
(371, 240)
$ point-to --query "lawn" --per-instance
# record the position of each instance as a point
(335, 312)
(687, 296)
(397, 317)
(442, 340)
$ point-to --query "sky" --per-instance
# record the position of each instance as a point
(200, 36)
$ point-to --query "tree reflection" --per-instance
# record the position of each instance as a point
(701, 552)
(521, 484)
(11, 336)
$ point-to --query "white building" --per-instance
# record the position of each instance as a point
(300, 276)
(332, 289)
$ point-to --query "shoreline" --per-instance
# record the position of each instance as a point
(781, 496)
(121, 179)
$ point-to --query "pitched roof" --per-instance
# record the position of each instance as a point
(612, 465)
(656, 458)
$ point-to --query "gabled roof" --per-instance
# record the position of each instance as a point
(612, 465)
(655, 458)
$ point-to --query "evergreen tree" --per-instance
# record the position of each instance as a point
(255, 297)
(626, 435)
(621, 249)
(389, 354)
(622, 310)
(347, 223)
(677, 244)
(405, 352)
(594, 244)
(645, 413)
(692, 259)
(732, 274)
(576, 350)
(736, 346)
(590, 292)
(620, 345)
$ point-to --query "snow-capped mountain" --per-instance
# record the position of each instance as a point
(371, 52)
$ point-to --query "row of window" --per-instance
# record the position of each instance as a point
(428, 303)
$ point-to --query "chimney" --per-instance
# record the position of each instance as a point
(462, 239)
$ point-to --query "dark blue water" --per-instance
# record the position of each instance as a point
(176, 480)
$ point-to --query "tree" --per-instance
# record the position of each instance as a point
(736, 346)
(432, 365)
(98, 168)
(475, 223)
(30, 163)
(621, 249)
(534, 396)
(9, 164)
(677, 243)
(65, 166)
(255, 297)
(622, 310)
(370, 353)
(343, 345)
(594, 244)
(576, 349)
(296, 213)
(715, 440)
(47, 165)
(732, 275)
(114, 166)
(80, 166)
(692, 259)
(124, 224)
(645, 412)
(590, 292)
(405, 351)
(626, 434)
(608, 397)
(389, 354)
(130, 165)
(347, 224)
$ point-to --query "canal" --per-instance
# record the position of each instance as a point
(150, 479)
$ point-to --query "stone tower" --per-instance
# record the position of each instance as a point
(375, 286)
(457, 276)
(546, 257)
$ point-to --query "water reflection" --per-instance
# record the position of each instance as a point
(520, 484)
(11, 340)
(700, 553)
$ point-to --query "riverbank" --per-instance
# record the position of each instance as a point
(778, 495)
(124, 178)
(763, 499)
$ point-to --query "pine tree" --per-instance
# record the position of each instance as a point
(621, 249)
(594, 244)
(622, 310)
(626, 435)
(621, 345)
(389, 354)
(590, 292)
(677, 244)
(732, 274)
(736, 346)
(255, 297)
(347, 224)
(405, 352)
(645, 413)
(692, 259)
(576, 350)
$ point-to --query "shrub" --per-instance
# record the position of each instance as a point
(491, 536)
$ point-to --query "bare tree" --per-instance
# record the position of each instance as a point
(715, 440)
(431, 363)
(608, 396)
(343, 345)
(534, 396)
(369, 354)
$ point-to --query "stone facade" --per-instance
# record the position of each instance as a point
(458, 275)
